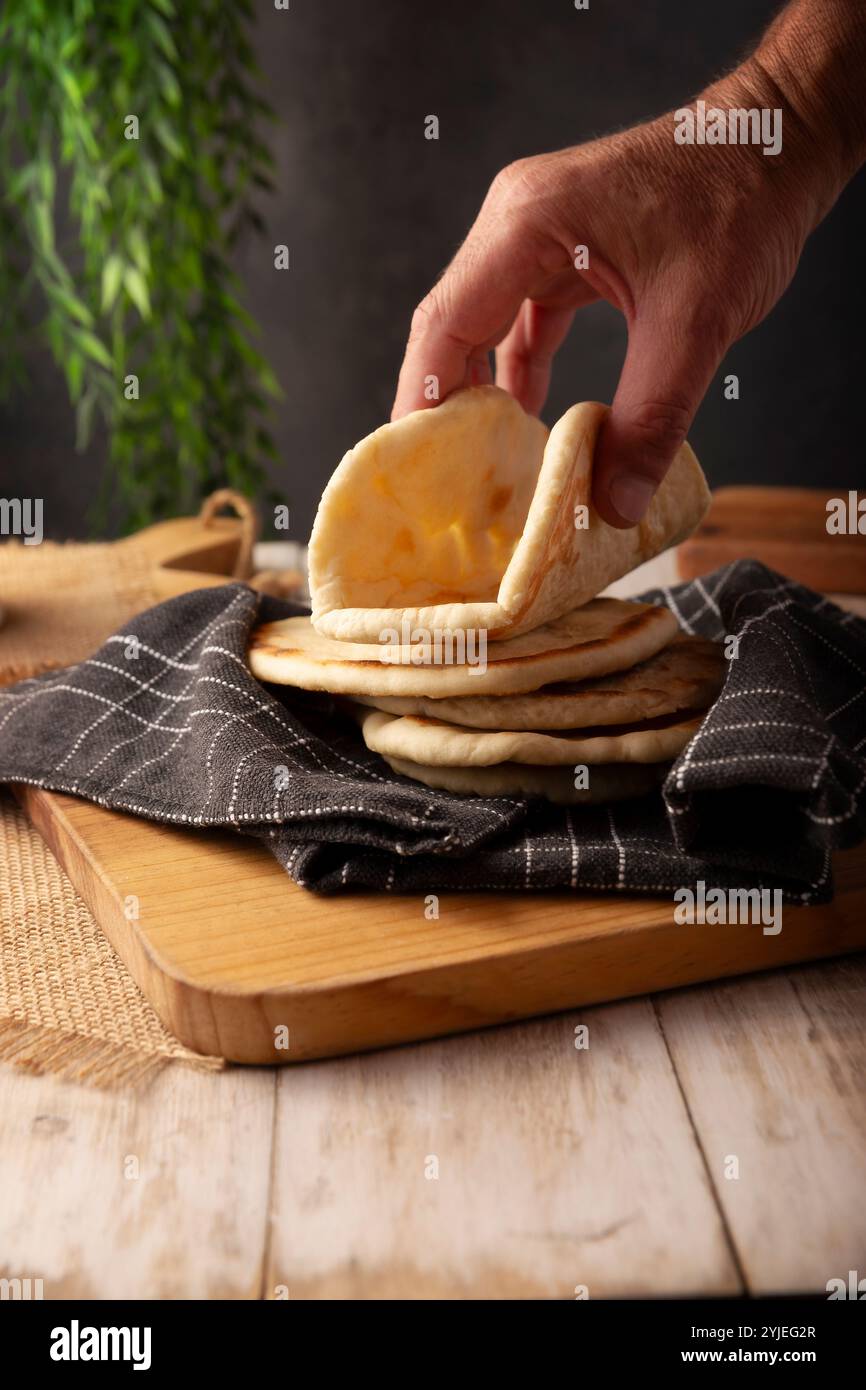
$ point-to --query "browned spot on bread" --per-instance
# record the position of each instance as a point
(499, 498)
(272, 649)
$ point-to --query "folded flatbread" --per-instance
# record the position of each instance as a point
(470, 516)
(605, 635)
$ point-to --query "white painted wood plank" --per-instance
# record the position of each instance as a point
(191, 1225)
(557, 1168)
(774, 1072)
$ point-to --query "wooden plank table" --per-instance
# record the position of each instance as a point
(707, 1140)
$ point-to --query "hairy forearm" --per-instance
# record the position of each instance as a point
(811, 63)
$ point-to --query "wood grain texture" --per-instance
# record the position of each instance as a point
(774, 1073)
(190, 1225)
(785, 528)
(228, 949)
(557, 1167)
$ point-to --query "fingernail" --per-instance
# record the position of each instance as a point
(631, 494)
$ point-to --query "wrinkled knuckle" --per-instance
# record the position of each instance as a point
(518, 185)
(510, 177)
(661, 427)
(424, 315)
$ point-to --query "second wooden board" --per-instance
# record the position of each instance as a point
(237, 960)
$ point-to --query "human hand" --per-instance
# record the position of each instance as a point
(693, 243)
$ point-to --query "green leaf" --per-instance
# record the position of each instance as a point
(167, 138)
(269, 381)
(266, 445)
(70, 86)
(93, 347)
(146, 236)
(69, 46)
(84, 420)
(52, 328)
(74, 367)
(237, 311)
(168, 82)
(68, 300)
(22, 181)
(139, 249)
(160, 31)
(112, 278)
(136, 287)
(150, 176)
(46, 180)
(43, 226)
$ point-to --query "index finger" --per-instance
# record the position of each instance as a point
(466, 314)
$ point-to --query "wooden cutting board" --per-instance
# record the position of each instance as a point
(786, 528)
(229, 951)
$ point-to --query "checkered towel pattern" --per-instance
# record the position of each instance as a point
(165, 721)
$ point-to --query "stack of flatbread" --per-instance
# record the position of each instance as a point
(454, 566)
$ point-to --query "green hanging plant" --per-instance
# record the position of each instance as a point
(146, 114)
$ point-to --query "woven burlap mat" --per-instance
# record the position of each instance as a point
(67, 1003)
(60, 602)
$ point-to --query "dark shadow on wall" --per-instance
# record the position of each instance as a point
(372, 212)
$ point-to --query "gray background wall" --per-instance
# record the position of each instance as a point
(372, 212)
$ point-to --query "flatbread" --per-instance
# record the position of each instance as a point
(607, 783)
(686, 675)
(605, 635)
(434, 742)
(463, 516)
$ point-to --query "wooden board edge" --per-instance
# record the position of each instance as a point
(362, 1014)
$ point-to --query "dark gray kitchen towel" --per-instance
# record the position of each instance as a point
(166, 721)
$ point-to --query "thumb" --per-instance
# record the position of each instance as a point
(667, 369)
